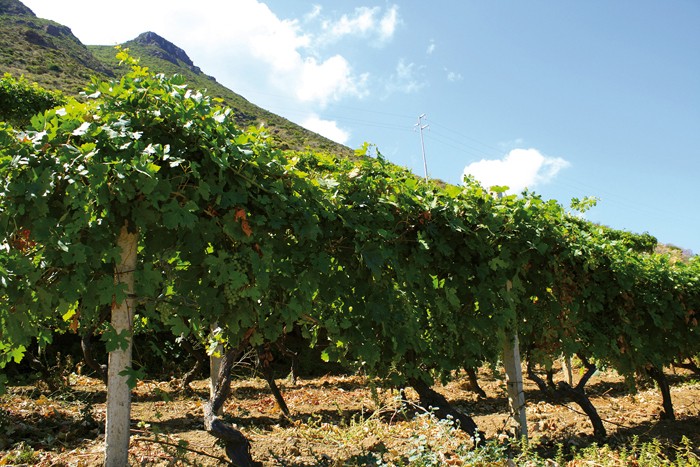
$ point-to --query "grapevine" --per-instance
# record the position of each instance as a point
(407, 280)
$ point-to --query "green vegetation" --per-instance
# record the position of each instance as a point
(437, 444)
(19, 100)
(405, 279)
(147, 201)
(153, 52)
(21, 455)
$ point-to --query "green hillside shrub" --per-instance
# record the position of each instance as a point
(21, 100)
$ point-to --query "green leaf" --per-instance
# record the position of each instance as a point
(17, 354)
(178, 326)
(453, 191)
(373, 258)
(116, 341)
(498, 189)
(133, 376)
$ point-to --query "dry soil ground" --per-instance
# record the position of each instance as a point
(336, 420)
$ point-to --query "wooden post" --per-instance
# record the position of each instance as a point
(117, 429)
(514, 379)
(214, 368)
(568, 369)
(514, 383)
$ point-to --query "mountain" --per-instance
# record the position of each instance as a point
(14, 8)
(48, 53)
(44, 51)
(163, 56)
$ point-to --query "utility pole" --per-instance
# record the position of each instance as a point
(422, 127)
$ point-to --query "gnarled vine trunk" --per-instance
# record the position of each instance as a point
(689, 364)
(474, 382)
(236, 444)
(562, 391)
(265, 359)
(86, 345)
(442, 408)
(99, 368)
(657, 374)
(199, 363)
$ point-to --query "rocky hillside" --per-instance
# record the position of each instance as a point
(44, 51)
(48, 53)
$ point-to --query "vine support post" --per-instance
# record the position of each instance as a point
(214, 368)
(514, 379)
(514, 383)
(117, 429)
(568, 369)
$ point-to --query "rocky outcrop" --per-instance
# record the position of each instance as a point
(14, 8)
(167, 50)
(33, 37)
(58, 30)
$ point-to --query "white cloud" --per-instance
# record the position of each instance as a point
(431, 47)
(405, 78)
(277, 43)
(282, 55)
(327, 128)
(519, 169)
(314, 13)
(453, 76)
(364, 22)
(388, 23)
(360, 23)
(328, 81)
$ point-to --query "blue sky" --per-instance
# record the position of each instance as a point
(571, 99)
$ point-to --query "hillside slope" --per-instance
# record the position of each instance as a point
(49, 54)
(44, 51)
(163, 56)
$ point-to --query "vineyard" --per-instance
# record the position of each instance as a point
(142, 212)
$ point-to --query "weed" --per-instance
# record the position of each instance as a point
(21, 454)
